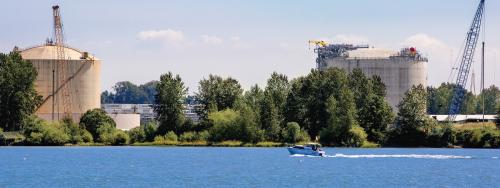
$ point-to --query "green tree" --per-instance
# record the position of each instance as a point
(379, 87)
(225, 125)
(76, 133)
(107, 97)
(273, 105)
(253, 98)
(293, 133)
(93, 119)
(295, 106)
(319, 86)
(109, 135)
(249, 128)
(375, 117)
(412, 123)
(18, 98)
(360, 86)
(168, 106)
(490, 96)
(40, 132)
(216, 94)
(374, 113)
(498, 118)
(127, 92)
(137, 134)
(342, 128)
(149, 89)
(439, 99)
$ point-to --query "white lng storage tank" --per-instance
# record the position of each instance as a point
(83, 72)
(398, 70)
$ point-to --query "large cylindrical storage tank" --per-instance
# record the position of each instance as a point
(83, 72)
(398, 70)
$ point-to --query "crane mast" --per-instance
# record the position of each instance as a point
(466, 63)
(61, 63)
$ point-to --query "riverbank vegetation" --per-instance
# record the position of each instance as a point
(333, 107)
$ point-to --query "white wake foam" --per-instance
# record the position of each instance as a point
(417, 156)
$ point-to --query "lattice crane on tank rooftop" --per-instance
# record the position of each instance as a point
(61, 63)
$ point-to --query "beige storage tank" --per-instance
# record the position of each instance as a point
(84, 89)
(126, 121)
(398, 70)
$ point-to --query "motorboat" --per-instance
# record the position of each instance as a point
(307, 149)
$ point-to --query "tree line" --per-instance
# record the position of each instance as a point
(439, 99)
(333, 107)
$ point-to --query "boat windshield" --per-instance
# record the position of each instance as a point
(314, 147)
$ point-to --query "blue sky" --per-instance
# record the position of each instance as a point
(247, 40)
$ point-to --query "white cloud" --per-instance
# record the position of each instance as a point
(237, 43)
(235, 39)
(168, 35)
(213, 40)
(422, 40)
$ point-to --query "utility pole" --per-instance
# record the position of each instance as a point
(53, 91)
(482, 78)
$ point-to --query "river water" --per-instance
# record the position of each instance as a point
(246, 167)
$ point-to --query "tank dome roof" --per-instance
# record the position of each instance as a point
(371, 53)
(49, 52)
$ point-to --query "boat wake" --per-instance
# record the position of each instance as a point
(415, 156)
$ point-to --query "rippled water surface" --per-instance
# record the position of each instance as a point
(245, 167)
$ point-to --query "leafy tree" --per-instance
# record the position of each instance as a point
(143, 133)
(247, 121)
(295, 106)
(293, 133)
(18, 98)
(432, 105)
(137, 134)
(412, 123)
(149, 90)
(107, 97)
(75, 132)
(127, 92)
(39, 132)
(318, 87)
(375, 117)
(342, 128)
(216, 94)
(374, 113)
(170, 96)
(109, 135)
(225, 125)
(253, 98)
(439, 99)
(379, 87)
(273, 105)
(361, 86)
(232, 124)
(498, 118)
(93, 119)
(490, 96)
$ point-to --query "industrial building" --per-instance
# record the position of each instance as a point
(146, 111)
(83, 81)
(398, 70)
